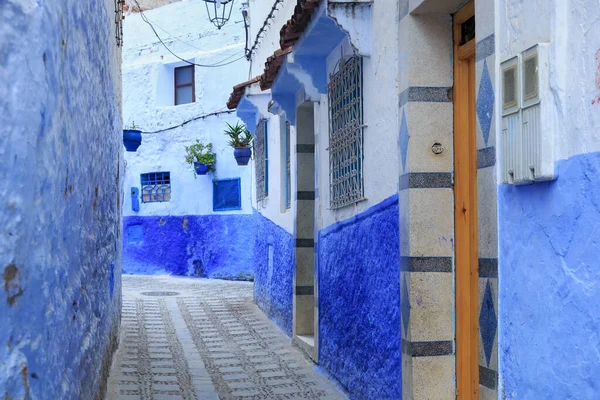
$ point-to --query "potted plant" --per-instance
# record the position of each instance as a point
(132, 137)
(201, 156)
(240, 139)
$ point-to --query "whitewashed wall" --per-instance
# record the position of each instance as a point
(572, 30)
(148, 98)
(273, 206)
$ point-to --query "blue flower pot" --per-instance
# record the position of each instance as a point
(242, 155)
(132, 139)
(201, 169)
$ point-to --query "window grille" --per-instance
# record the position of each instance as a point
(346, 181)
(227, 194)
(288, 173)
(261, 160)
(119, 17)
(156, 187)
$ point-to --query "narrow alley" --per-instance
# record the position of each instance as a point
(185, 338)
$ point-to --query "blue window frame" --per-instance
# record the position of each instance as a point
(288, 173)
(156, 187)
(227, 194)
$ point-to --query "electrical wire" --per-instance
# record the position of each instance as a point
(216, 65)
(262, 28)
(192, 119)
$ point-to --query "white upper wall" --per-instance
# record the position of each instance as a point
(381, 149)
(573, 31)
(269, 42)
(148, 94)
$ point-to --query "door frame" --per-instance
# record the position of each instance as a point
(465, 210)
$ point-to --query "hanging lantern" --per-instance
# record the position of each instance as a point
(219, 11)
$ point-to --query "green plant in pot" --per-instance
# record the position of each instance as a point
(240, 139)
(201, 157)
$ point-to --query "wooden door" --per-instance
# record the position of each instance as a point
(465, 205)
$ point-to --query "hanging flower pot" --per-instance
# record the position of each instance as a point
(242, 155)
(132, 137)
(201, 169)
(201, 157)
(240, 139)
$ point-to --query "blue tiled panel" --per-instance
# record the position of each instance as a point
(485, 103)
(488, 322)
(405, 306)
(404, 140)
(359, 302)
(549, 291)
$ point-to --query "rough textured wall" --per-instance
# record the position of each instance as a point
(274, 272)
(214, 246)
(60, 156)
(359, 302)
(548, 232)
(549, 301)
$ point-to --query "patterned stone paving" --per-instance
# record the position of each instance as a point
(186, 338)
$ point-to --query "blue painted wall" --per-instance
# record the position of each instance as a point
(549, 274)
(359, 302)
(274, 272)
(214, 246)
(61, 154)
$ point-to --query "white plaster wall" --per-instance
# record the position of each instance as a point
(273, 206)
(148, 98)
(573, 31)
(380, 105)
(258, 11)
(267, 45)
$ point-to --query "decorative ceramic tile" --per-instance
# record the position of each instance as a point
(404, 140)
(488, 322)
(485, 103)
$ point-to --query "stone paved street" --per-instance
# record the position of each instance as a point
(185, 338)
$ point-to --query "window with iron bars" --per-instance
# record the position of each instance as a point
(156, 187)
(261, 160)
(346, 133)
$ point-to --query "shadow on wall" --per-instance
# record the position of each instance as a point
(212, 246)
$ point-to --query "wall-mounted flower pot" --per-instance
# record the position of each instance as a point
(201, 169)
(242, 155)
(132, 139)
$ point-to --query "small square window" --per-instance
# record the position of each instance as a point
(184, 85)
(227, 194)
(156, 187)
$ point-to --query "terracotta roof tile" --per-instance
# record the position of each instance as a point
(288, 35)
(272, 66)
(291, 31)
(238, 92)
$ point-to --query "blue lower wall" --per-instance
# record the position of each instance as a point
(359, 302)
(549, 272)
(274, 272)
(214, 246)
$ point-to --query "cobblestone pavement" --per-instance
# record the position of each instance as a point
(186, 338)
